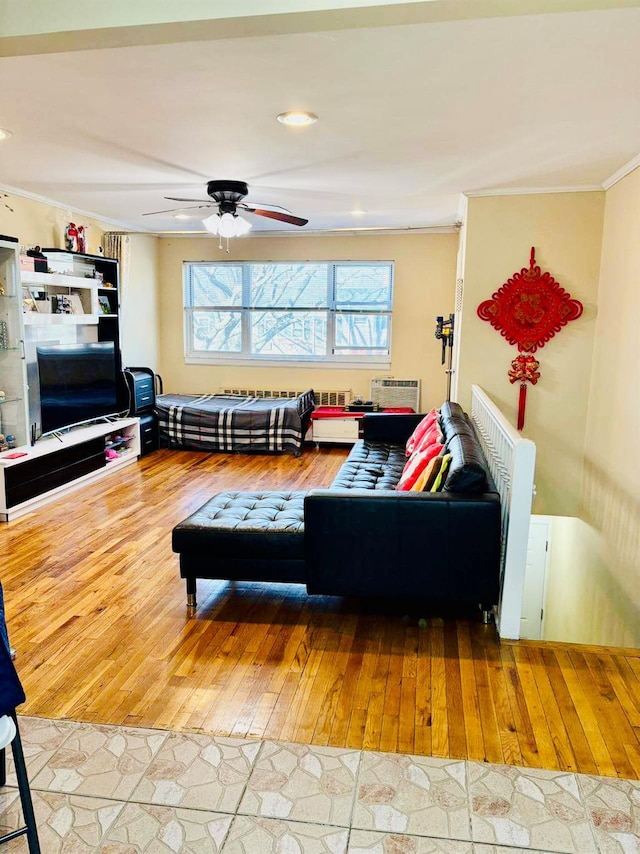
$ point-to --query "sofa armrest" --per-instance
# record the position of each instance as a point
(396, 429)
(436, 546)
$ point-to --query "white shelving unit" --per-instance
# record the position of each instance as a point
(59, 284)
(76, 457)
(32, 475)
(13, 376)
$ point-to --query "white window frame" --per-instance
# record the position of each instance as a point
(245, 357)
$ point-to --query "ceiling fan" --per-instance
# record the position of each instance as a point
(227, 197)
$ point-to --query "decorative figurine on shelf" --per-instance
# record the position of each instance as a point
(82, 238)
(63, 305)
(71, 237)
(11, 441)
(3, 443)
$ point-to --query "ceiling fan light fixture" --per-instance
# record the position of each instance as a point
(243, 226)
(297, 118)
(5, 134)
(181, 216)
(212, 223)
(227, 226)
(358, 212)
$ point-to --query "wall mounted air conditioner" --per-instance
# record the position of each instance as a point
(389, 392)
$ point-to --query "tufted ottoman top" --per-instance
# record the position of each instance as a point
(260, 525)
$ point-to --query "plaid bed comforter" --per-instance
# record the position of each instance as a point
(227, 422)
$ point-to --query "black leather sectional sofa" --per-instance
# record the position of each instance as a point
(361, 537)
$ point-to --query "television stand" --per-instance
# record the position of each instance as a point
(31, 476)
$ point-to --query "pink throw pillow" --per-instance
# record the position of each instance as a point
(416, 465)
(428, 421)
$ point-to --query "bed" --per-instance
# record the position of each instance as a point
(228, 422)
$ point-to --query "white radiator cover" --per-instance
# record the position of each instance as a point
(389, 392)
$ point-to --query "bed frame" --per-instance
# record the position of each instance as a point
(512, 463)
(221, 423)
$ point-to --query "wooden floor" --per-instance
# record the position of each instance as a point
(97, 611)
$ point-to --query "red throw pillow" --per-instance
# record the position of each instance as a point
(433, 434)
(428, 421)
(416, 465)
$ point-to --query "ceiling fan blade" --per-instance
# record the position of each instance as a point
(179, 199)
(283, 217)
(263, 205)
(173, 210)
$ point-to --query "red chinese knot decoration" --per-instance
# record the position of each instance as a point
(528, 310)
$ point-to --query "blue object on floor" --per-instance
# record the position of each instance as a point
(12, 695)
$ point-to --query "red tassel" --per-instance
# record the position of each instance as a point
(522, 402)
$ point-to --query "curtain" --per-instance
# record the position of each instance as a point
(116, 244)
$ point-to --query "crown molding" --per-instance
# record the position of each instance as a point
(335, 232)
(463, 205)
(34, 197)
(622, 172)
(534, 191)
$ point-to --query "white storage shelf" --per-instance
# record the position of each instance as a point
(10, 476)
(56, 284)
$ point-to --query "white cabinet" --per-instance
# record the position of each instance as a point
(13, 376)
(339, 430)
(34, 475)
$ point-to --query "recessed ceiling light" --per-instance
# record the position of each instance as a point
(297, 118)
(5, 134)
(358, 213)
(181, 216)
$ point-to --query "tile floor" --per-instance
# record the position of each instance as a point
(120, 790)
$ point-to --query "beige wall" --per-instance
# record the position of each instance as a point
(602, 549)
(425, 269)
(566, 230)
(36, 223)
(140, 309)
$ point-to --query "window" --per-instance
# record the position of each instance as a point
(307, 311)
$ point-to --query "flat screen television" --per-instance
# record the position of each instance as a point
(77, 383)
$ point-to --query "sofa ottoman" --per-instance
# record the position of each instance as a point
(243, 536)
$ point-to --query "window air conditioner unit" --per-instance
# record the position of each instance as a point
(389, 393)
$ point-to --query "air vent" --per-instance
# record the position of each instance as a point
(324, 397)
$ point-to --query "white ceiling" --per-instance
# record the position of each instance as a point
(410, 117)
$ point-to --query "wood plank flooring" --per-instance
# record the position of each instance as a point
(97, 611)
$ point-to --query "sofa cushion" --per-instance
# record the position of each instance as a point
(433, 434)
(417, 463)
(427, 422)
(450, 408)
(371, 465)
(428, 476)
(438, 480)
(467, 470)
